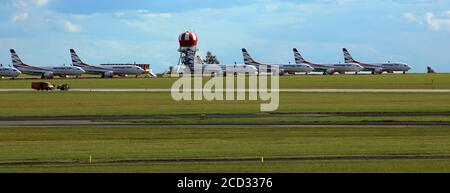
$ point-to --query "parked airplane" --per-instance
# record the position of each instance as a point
(44, 72)
(106, 71)
(193, 62)
(235, 68)
(328, 68)
(9, 71)
(283, 68)
(378, 68)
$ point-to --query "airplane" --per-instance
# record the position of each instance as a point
(9, 71)
(377, 68)
(283, 68)
(214, 69)
(328, 69)
(228, 68)
(44, 72)
(106, 71)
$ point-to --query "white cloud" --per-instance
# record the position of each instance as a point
(437, 23)
(447, 13)
(434, 22)
(147, 13)
(70, 27)
(41, 2)
(19, 17)
(411, 17)
(160, 15)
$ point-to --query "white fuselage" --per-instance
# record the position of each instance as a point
(288, 68)
(220, 69)
(346, 67)
(112, 70)
(124, 69)
(239, 69)
(386, 67)
(341, 68)
(9, 71)
(293, 68)
(54, 70)
(66, 70)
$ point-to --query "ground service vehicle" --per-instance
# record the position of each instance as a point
(49, 86)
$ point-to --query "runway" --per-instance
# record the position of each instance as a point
(152, 90)
(232, 160)
(101, 121)
(98, 123)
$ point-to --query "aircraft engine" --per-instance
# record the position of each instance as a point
(378, 71)
(108, 74)
(47, 75)
(330, 71)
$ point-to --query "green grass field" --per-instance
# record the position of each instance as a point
(84, 103)
(285, 119)
(435, 166)
(74, 145)
(399, 81)
(128, 143)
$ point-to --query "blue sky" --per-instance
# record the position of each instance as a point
(105, 31)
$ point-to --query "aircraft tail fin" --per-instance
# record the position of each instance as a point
(298, 57)
(348, 57)
(199, 60)
(15, 58)
(248, 60)
(76, 61)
